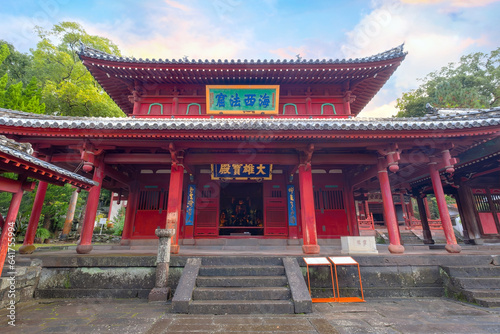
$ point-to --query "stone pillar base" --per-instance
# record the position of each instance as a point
(125, 242)
(174, 249)
(310, 249)
(453, 248)
(84, 249)
(160, 294)
(27, 249)
(396, 249)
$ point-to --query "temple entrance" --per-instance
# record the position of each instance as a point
(241, 209)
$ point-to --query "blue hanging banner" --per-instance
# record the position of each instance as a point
(191, 197)
(237, 171)
(292, 213)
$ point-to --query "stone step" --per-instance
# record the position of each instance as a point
(242, 261)
(472, 271)
(247, 293)
(483, 293)
(241, 307)
(245, 270)
(488, 302)
(241, 281)
(92, 293)
(477, 282)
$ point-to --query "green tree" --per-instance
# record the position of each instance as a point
(474, 82)
(68, 87)
(16, 64)
(13, 95)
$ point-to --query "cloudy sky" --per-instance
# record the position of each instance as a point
(435, 32)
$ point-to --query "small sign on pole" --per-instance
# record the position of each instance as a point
(102, 222)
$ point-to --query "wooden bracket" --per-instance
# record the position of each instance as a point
(392, 156)
(307, 156)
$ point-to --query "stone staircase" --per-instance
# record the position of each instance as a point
(409, 238)
(475, 284)
(242, 285)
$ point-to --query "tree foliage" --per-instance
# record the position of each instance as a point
(14, 95)
(68, 87)
(473, 82)
(16, 64)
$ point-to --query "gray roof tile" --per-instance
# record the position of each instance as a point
(478, 118)
(24, 151)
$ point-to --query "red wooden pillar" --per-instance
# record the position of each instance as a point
(70, 214)
(367, 209)
(8, 226)
(404, 209)
(174, 204)
(129, 216)
(307, 211)
(85, 245)
(426, 206)
(426, 231)
(395, 246)
(451, 242)
(29, 238)
(351, 211)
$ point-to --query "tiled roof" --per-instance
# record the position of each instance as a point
(479, 118)
(364, 77)
(23, 152)
(87, 51)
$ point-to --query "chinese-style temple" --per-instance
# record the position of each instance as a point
(268, 149)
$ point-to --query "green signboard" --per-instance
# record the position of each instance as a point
(242, 99)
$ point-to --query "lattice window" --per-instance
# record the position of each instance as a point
(153, 200)
(276, 193)
(496, 201)
(482, 204)
(317, 201)
(207, 193)
(333, 200)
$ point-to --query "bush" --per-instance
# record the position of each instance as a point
(42, 233)
(119, 222)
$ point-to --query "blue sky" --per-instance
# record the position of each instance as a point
(435, 32)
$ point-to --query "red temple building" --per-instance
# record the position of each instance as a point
(268, 149)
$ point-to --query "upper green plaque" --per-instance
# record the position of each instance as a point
(242, 99)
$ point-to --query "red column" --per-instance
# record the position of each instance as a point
(307, 211)
(351, 211)
(426, 231)
(395, 246)
(70, 214)
(28, 247)
(8, 227)
(129, 216)
(85, 245)
(174, 204)
(427, 210)
(404, 209)
(451, 242)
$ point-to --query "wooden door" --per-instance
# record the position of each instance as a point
(151, 211)
(487, 204)
(206, 222)
(330, 205)
(275, 207)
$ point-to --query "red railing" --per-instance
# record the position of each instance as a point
(434, 224)
(366, 224)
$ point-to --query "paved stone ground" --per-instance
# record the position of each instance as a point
(417, 315)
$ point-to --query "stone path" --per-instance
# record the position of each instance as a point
(417, 315)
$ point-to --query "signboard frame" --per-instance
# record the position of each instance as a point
(265, 99)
